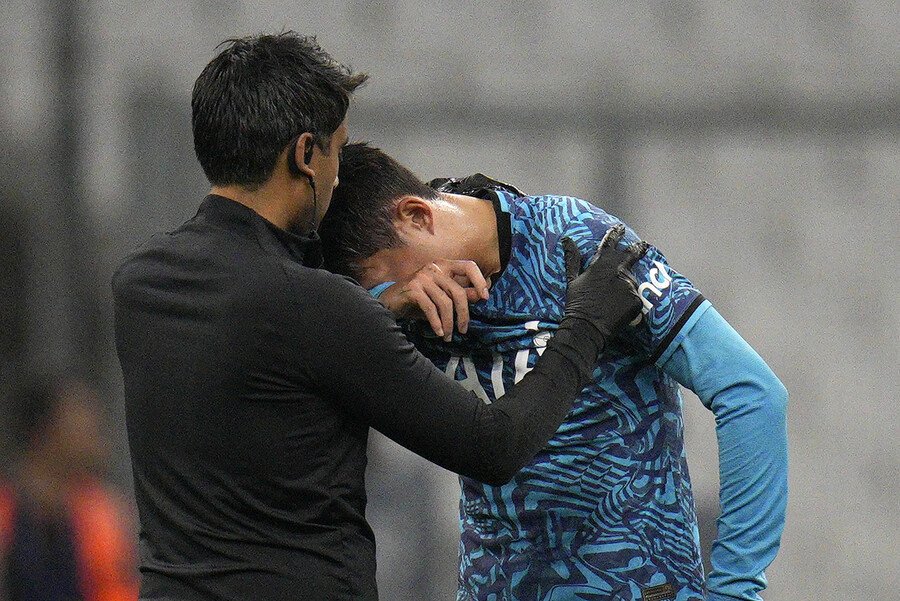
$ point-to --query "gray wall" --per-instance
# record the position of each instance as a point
(755, 143)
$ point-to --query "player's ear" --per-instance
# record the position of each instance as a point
(415, 213)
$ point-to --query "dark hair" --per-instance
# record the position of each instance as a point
(260, 93)
(359, 222)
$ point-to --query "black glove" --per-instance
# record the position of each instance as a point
(477, 185)
(605, 295)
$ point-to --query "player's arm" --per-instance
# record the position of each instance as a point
(696, 346)
(749, 403)
(355, 354)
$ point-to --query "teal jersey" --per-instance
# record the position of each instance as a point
(605, 510)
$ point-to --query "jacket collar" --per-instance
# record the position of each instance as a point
(306, 250)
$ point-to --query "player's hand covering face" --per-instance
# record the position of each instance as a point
(437, 292)
(605, 294)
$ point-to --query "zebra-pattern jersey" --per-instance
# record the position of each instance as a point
(605, 510)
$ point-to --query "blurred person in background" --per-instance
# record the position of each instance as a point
(252, 376)
(64, 535)
(604, 511)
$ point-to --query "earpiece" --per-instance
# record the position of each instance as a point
(307, 157)
(297, 171)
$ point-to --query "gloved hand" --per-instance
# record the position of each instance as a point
(477, 185)
(605, 294)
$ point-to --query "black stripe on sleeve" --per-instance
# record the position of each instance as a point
(676, 328)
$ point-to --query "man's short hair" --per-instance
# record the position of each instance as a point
(257, 96)
(359, 222)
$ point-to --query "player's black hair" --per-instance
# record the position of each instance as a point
(259, 94)
(359, 222)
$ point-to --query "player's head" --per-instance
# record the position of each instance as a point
(360, 221)
(257, 96)
(385, 223)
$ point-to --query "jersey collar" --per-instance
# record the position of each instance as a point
(482, 186)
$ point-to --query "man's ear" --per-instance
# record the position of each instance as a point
(415, 214)
(300, 156)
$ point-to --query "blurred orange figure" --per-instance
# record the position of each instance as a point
(63, 535)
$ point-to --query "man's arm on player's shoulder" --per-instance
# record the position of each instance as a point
(750, 405)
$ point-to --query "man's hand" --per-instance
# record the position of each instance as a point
(605, 295)
(436, 292)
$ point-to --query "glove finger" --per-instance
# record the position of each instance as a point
(612, 237)
(624, 273)
(441, 184)
(635, 252)
(572, 259)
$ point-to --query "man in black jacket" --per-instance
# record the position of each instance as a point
(252, 376)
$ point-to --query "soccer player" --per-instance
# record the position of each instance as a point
(252, 376)
(604, 511)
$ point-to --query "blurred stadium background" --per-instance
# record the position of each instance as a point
(756, 143)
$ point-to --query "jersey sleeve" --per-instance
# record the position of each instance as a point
(749, 403)
(669, 299)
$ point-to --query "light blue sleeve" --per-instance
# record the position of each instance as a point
(377, 290)
(750, 406)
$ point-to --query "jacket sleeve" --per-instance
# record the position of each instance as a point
(749, 403)
(356, 355)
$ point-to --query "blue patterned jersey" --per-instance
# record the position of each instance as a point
(605, 510)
